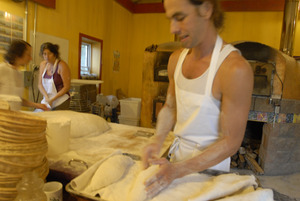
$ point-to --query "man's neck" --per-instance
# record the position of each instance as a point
(205, 48)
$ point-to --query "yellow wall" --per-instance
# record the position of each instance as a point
(14, 8)
(263, 27)
(130, 34)
(148, 29)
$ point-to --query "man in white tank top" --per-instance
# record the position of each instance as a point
(208, 99)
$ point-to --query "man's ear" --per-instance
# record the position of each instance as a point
(206, 9)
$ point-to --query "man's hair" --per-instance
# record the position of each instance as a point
(16, 50)
(217, 15)
(51, 47)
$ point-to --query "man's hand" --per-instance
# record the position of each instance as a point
(150, 152)
(162, 179)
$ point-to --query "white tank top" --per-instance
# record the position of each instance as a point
(198, 112)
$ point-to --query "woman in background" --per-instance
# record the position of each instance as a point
(11, 79)
(54, 78)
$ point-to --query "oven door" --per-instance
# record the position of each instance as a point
(263, 77)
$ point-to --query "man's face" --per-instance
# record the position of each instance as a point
(185, 21)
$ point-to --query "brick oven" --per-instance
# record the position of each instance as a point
(276, 103)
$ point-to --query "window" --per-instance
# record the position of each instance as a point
(85, 64)
(90, 57)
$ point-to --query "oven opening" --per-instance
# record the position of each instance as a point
(253, 135)
(247, 156)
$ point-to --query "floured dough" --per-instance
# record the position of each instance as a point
(137, 191)
(110, 171)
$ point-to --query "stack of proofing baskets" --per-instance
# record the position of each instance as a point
(23, 148)
(130, 111)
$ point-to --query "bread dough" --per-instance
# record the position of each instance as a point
(110, 171)
(138, 192)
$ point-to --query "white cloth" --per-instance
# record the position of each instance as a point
(257, 195)
(193, 187)
(198, 115)
(49, 86)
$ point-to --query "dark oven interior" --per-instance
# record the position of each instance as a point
(161, 66)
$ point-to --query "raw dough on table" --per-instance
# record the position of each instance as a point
(110, 171)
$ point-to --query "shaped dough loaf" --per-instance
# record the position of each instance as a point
(110, 171)
(138, 192)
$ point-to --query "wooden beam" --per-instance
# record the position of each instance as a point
(47, 3)
(227, 5)
(129, 5)
(149, 8)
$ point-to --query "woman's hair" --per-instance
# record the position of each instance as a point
(217, 15)
(51, 47)
(16, 50)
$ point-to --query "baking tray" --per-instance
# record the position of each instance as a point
(84, 196)
(79, 195)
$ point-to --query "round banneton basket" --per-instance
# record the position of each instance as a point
(22, 118)
(23, 148)
(23, 134)
(8, 182)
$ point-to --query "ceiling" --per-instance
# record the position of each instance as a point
(146, 1)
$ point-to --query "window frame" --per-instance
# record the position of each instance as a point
(84, 37)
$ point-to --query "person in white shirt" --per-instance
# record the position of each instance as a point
(11, 79)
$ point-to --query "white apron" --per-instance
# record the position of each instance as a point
(49, 86)
(198, 115)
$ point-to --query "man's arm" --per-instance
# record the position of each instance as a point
(166, 117)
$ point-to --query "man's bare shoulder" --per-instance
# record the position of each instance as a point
(175, 56)
(235, 73)
(236, 63)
